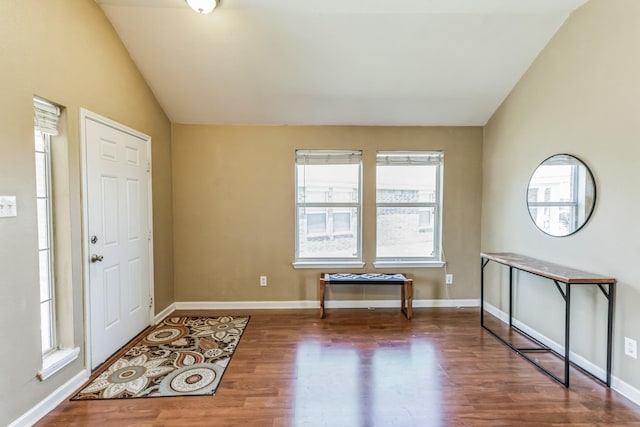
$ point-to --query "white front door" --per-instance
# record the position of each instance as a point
(118, 233)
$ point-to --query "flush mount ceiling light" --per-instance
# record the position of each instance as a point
(202, 6)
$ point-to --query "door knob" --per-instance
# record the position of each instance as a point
(96, 258)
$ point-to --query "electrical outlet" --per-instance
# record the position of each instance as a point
(631, 347)
(449, 279)
(263, 280)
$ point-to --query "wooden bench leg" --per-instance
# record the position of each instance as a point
(408, 295)
(322, 286)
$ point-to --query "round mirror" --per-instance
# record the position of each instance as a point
(561, 195)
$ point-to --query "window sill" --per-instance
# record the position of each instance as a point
(408, 264)
(328, 264)
(57, 360)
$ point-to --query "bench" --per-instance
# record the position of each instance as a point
(406, 294)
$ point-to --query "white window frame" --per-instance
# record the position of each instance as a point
(54, 358)
(415, 158)
(327, 157)
(52, 345)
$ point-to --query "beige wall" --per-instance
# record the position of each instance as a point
(234, 209)
(581, 96)
(65, 51)
(230, 217)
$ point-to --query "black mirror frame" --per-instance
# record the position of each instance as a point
(593, 205)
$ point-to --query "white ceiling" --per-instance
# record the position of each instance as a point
(368, 62)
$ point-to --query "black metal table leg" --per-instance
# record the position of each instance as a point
(609, 332)
(482, 264)
(567, 332)
(510, 297)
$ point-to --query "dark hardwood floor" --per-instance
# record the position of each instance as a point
(369, 368)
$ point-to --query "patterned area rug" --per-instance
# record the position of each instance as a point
(181, 356)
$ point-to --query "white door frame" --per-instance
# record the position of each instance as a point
(84, 116)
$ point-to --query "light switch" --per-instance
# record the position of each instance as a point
(8, 206)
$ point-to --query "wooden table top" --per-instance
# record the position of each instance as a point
(547, 269)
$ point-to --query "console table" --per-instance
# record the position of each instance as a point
(557, 274)
(406, 293)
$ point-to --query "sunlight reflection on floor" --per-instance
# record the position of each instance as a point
(398, 384)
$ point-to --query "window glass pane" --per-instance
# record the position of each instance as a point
(406, 184)
(43, 224)
(553, 183)
(318, 237)
(328, 183)
(41, 175)
(404, 232)
(556, 220)
(39, 140)
(45, 325)
(341, 222)
(45, 276)
(425, 219)
(316, 195)
(316, 222)
(344, 195)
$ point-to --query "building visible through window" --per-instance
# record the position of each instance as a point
(328, 205)
(555, 203)
(408, 205)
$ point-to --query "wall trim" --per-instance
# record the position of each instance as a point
(446, 303)
(314, 304)
(164, 313)
(617, 384)
(625, 389)
(49, 403)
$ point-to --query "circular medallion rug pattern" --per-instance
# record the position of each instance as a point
(181, 356)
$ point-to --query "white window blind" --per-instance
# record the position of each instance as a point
(328, 157)
(46, 116)
(409, 158)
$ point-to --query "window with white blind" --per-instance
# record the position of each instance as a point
(45, 125)
(328, 208)
(408, 208)
(56, 326)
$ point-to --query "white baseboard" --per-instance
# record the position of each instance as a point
(627, 390)
(314, 304)
(244, 305)
(446, 303)
(34, 414)
(617, 384)
(164, 313)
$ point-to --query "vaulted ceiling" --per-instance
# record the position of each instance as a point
(312, 62)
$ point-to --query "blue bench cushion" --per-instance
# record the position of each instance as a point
(364, 278)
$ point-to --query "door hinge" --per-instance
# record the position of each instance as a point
(148, 166)
(149, 236)
(150, 302)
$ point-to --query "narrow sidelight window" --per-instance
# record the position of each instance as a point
(45, 125)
